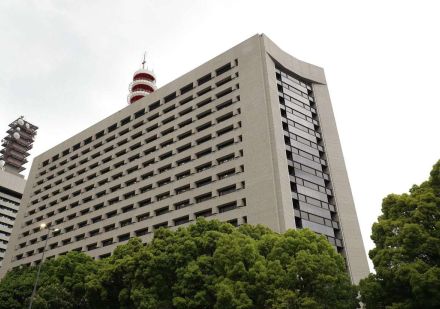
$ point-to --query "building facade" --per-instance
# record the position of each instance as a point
(248, 137)
(11, 191)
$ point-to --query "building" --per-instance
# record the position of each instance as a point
(11, 191)
(15, 149)
(248, 137)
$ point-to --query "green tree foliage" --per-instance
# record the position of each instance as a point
(62, 284)
(214, 265)
(206, 265)
(407, 252)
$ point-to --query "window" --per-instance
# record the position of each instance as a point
(109, 227)
(127, 208)
(204, 126)
(224, 92)
(226, 174)
(94, 232)
(111, 214)
(204, 213)
(144, 202)
(141, 232)
(225, 158)
(96, 219)
(170, 97)
(203, 91)
(223, 81)
(143, 217)
(182, 204)
(162, 196)
(225, 144)
(183, 161)
(107, 242)
(203, 153)
(161, 211)
(203, 182)
(163, 224)
(227, 190)
(80, 237)
(225, 130)
(164, 168)
(182, 189)
(154, 105)
(183, 147)
(183, 175)
(203, 139)
(203, 197)
(203, 167)
(125, 222)
(92, 246)
(227, 207)
(186, 100)
(185, 111)
(223, 69)
(224, 117)
(139, 113)
(204, 79)
(181, 220)
(164, 181)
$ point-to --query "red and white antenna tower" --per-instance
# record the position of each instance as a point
(144, 83)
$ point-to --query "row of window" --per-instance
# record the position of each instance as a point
(153, 106)
(128, 155)
(137, 168)
(76, 165)
(222, 159)
(311, 186)
(150, 187)
(225, 207)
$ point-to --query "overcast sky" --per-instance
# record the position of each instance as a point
(65, 65)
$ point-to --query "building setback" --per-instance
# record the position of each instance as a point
(248, 137)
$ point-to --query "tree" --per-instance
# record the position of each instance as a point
(61, 286)
(206, 265)
(407, 252)
(214, 265)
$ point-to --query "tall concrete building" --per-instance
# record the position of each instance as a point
(248, 137)
(15, 149)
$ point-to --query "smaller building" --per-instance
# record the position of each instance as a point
(11, 190)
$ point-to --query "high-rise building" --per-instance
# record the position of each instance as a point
(16, 146)
(248, 137)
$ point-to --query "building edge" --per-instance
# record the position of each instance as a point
(355, 251)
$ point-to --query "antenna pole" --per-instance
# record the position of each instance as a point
(143, 62)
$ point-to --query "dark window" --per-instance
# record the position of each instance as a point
(204, 213)
(223, 69)
(170, 97)
(227, 207)
(204, 79)
(181, 220)
(161, 211)
(186, 88)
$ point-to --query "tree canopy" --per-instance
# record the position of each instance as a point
(407, 252)
(206, 265)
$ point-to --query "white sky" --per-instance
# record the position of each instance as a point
(65, 65)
